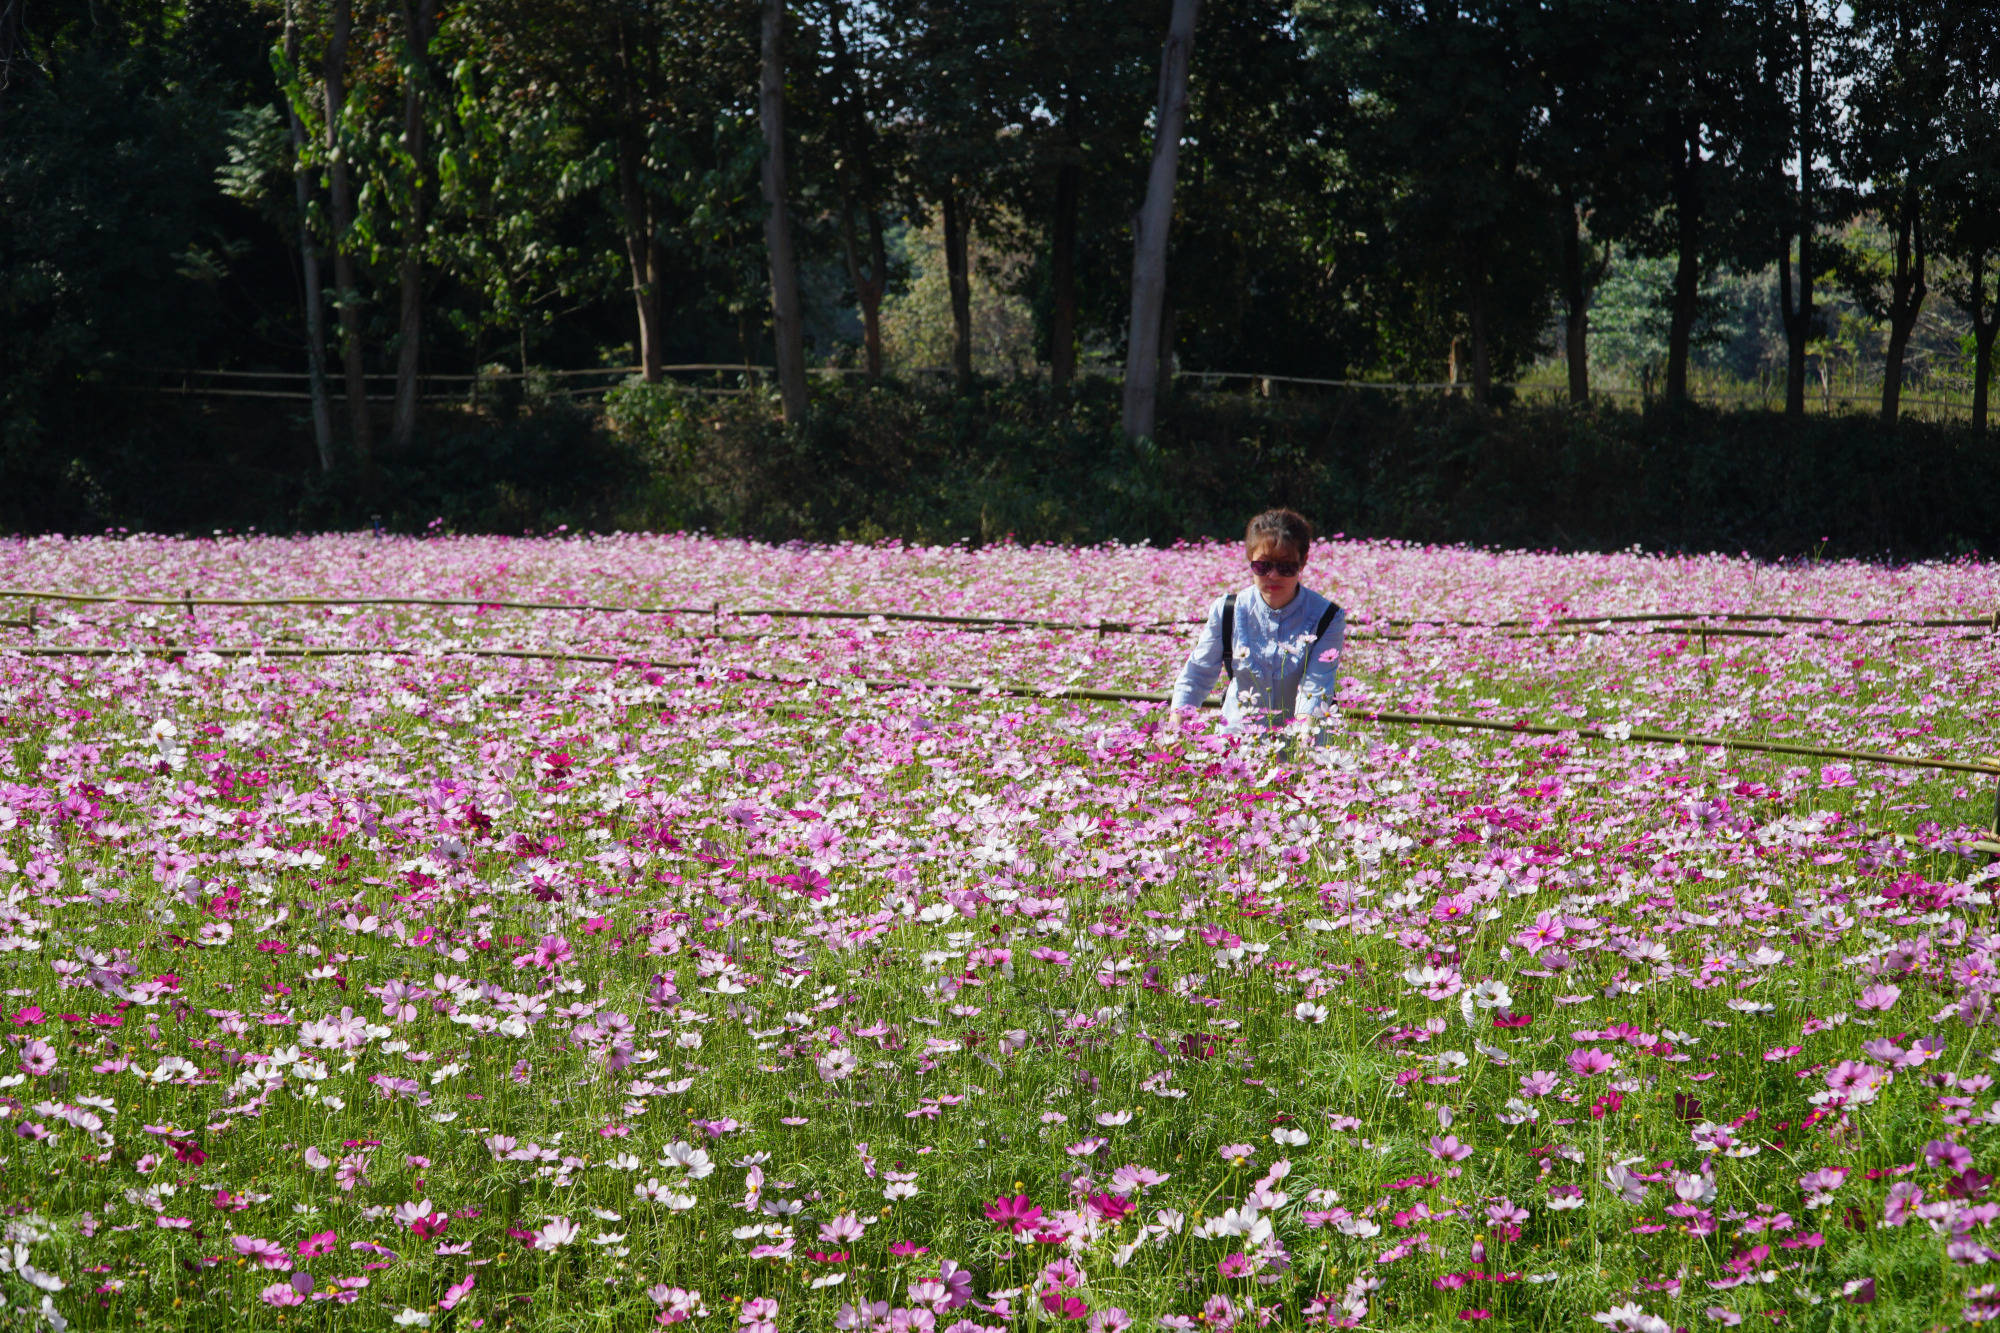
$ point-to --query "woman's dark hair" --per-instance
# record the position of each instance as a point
(1281, 527)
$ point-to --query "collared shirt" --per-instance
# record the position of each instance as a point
(1281, 671)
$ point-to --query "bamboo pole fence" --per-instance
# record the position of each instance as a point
(1989, 766)
(1985, 766)
(1733, 623)
(192, 383)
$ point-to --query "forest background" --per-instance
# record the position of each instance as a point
(1703, 273)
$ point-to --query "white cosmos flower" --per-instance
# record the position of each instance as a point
(555, 1233)
(1248, 1223)
(686, 1157)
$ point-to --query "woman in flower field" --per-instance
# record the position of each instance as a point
(1277, 641)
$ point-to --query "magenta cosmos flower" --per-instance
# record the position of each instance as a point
(1014, 1214)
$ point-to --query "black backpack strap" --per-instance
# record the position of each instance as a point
(1229, 636)
(1325, 622)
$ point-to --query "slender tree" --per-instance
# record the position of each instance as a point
(419, 27)
(314, 297)
(341, 192)
(1968, 194)
(1151, 225)
(786, 326)
(950, 80)
(1898, 77)
(1080, 83)
(309, 247)
(849, 101)
(10, 39)
(1702, 103)
(1581, 146)
(1802, 56)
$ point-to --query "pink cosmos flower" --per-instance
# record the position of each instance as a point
(1064, 1306)
(352, 1172)
(1851, 1077)
(1951, 1156)
(1882, 996)
(1586, 1061)
(406, 1213)
(957, 1283)
(1448, 1148)
(38, 1058)
(1538, 1084)
(847, 1227)
(264, 1253)
(456, 1292)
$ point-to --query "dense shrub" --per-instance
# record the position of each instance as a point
(892, 461)
(900, 461)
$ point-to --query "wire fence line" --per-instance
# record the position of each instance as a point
(1740, 623)
(1609, 733)
(728, 379)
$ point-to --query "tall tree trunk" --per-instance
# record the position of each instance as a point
(341, 189)
(1062, 273)
(859, 148)
(1478, 299)
(1576, 310)
(1907, 290)
(1150, 226)
(642, 251)
(418, 27)
(1982, 372)
(1163, 379)
(10, 38)
(1688, 207)
(315, 299)
(958, 274)
(868, 283)
(1985, 323)
(1800, 319)
(787, 324)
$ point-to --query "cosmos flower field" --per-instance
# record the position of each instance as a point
(736, 974)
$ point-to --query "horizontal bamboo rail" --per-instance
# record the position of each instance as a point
(1666, 620)
(1642, 735)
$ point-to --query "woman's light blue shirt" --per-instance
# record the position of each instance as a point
(1280, 674)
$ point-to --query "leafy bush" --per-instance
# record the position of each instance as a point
(895, 460)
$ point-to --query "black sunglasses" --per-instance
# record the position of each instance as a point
(1284, 569)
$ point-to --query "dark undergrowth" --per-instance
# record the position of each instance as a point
(896, 461)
